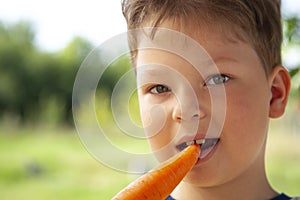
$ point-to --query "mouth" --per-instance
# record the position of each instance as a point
(206, 145)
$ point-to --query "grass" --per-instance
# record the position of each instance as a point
(53, 164)
(283, 160)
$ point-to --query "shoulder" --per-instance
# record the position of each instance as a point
(283, 196)
(171, 198)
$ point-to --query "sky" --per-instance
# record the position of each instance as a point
(57, 22)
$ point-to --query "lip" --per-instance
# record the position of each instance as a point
(209, 154)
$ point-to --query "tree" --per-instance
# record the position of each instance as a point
(292, 40)
(34, 83)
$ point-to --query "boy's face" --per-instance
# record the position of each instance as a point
(180, 102)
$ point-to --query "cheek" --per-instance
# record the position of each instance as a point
(155, 119)
(247, 121)
(249, 110)
(159, 130)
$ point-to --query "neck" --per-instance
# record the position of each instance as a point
(251, 185)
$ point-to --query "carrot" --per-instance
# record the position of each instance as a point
(158, 183)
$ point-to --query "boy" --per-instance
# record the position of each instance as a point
(223, 91)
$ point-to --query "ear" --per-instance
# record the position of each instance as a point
(280, 83)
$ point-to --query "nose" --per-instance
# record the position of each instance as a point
(187, 109)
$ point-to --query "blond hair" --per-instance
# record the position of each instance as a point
(256, 22)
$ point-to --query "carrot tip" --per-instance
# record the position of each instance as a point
(158, 183)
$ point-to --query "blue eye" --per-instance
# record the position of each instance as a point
(158, 89)
(217, 79)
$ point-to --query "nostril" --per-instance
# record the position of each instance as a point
(177, 114)
(186, 113)
(178, 119)
(196, 115)
(200, 114)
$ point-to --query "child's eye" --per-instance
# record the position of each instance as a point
(216, 79)
(158, 89)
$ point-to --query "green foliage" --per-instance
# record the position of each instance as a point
(292, 29)
(37, 85)
(291, 32)
(293, 72)
(114, 72)
(292, 37)
(295, 79)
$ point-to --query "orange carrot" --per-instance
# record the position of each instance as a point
(158, 183)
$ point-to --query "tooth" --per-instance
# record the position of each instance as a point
(201, 141)
(189, 143)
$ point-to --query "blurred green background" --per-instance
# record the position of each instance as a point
(41, 155)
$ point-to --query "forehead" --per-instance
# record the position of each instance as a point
(174, 45)
(201, 29)
(155, 63)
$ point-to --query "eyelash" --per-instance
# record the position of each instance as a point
(159, 89)
(155, 89)
(212, 80)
